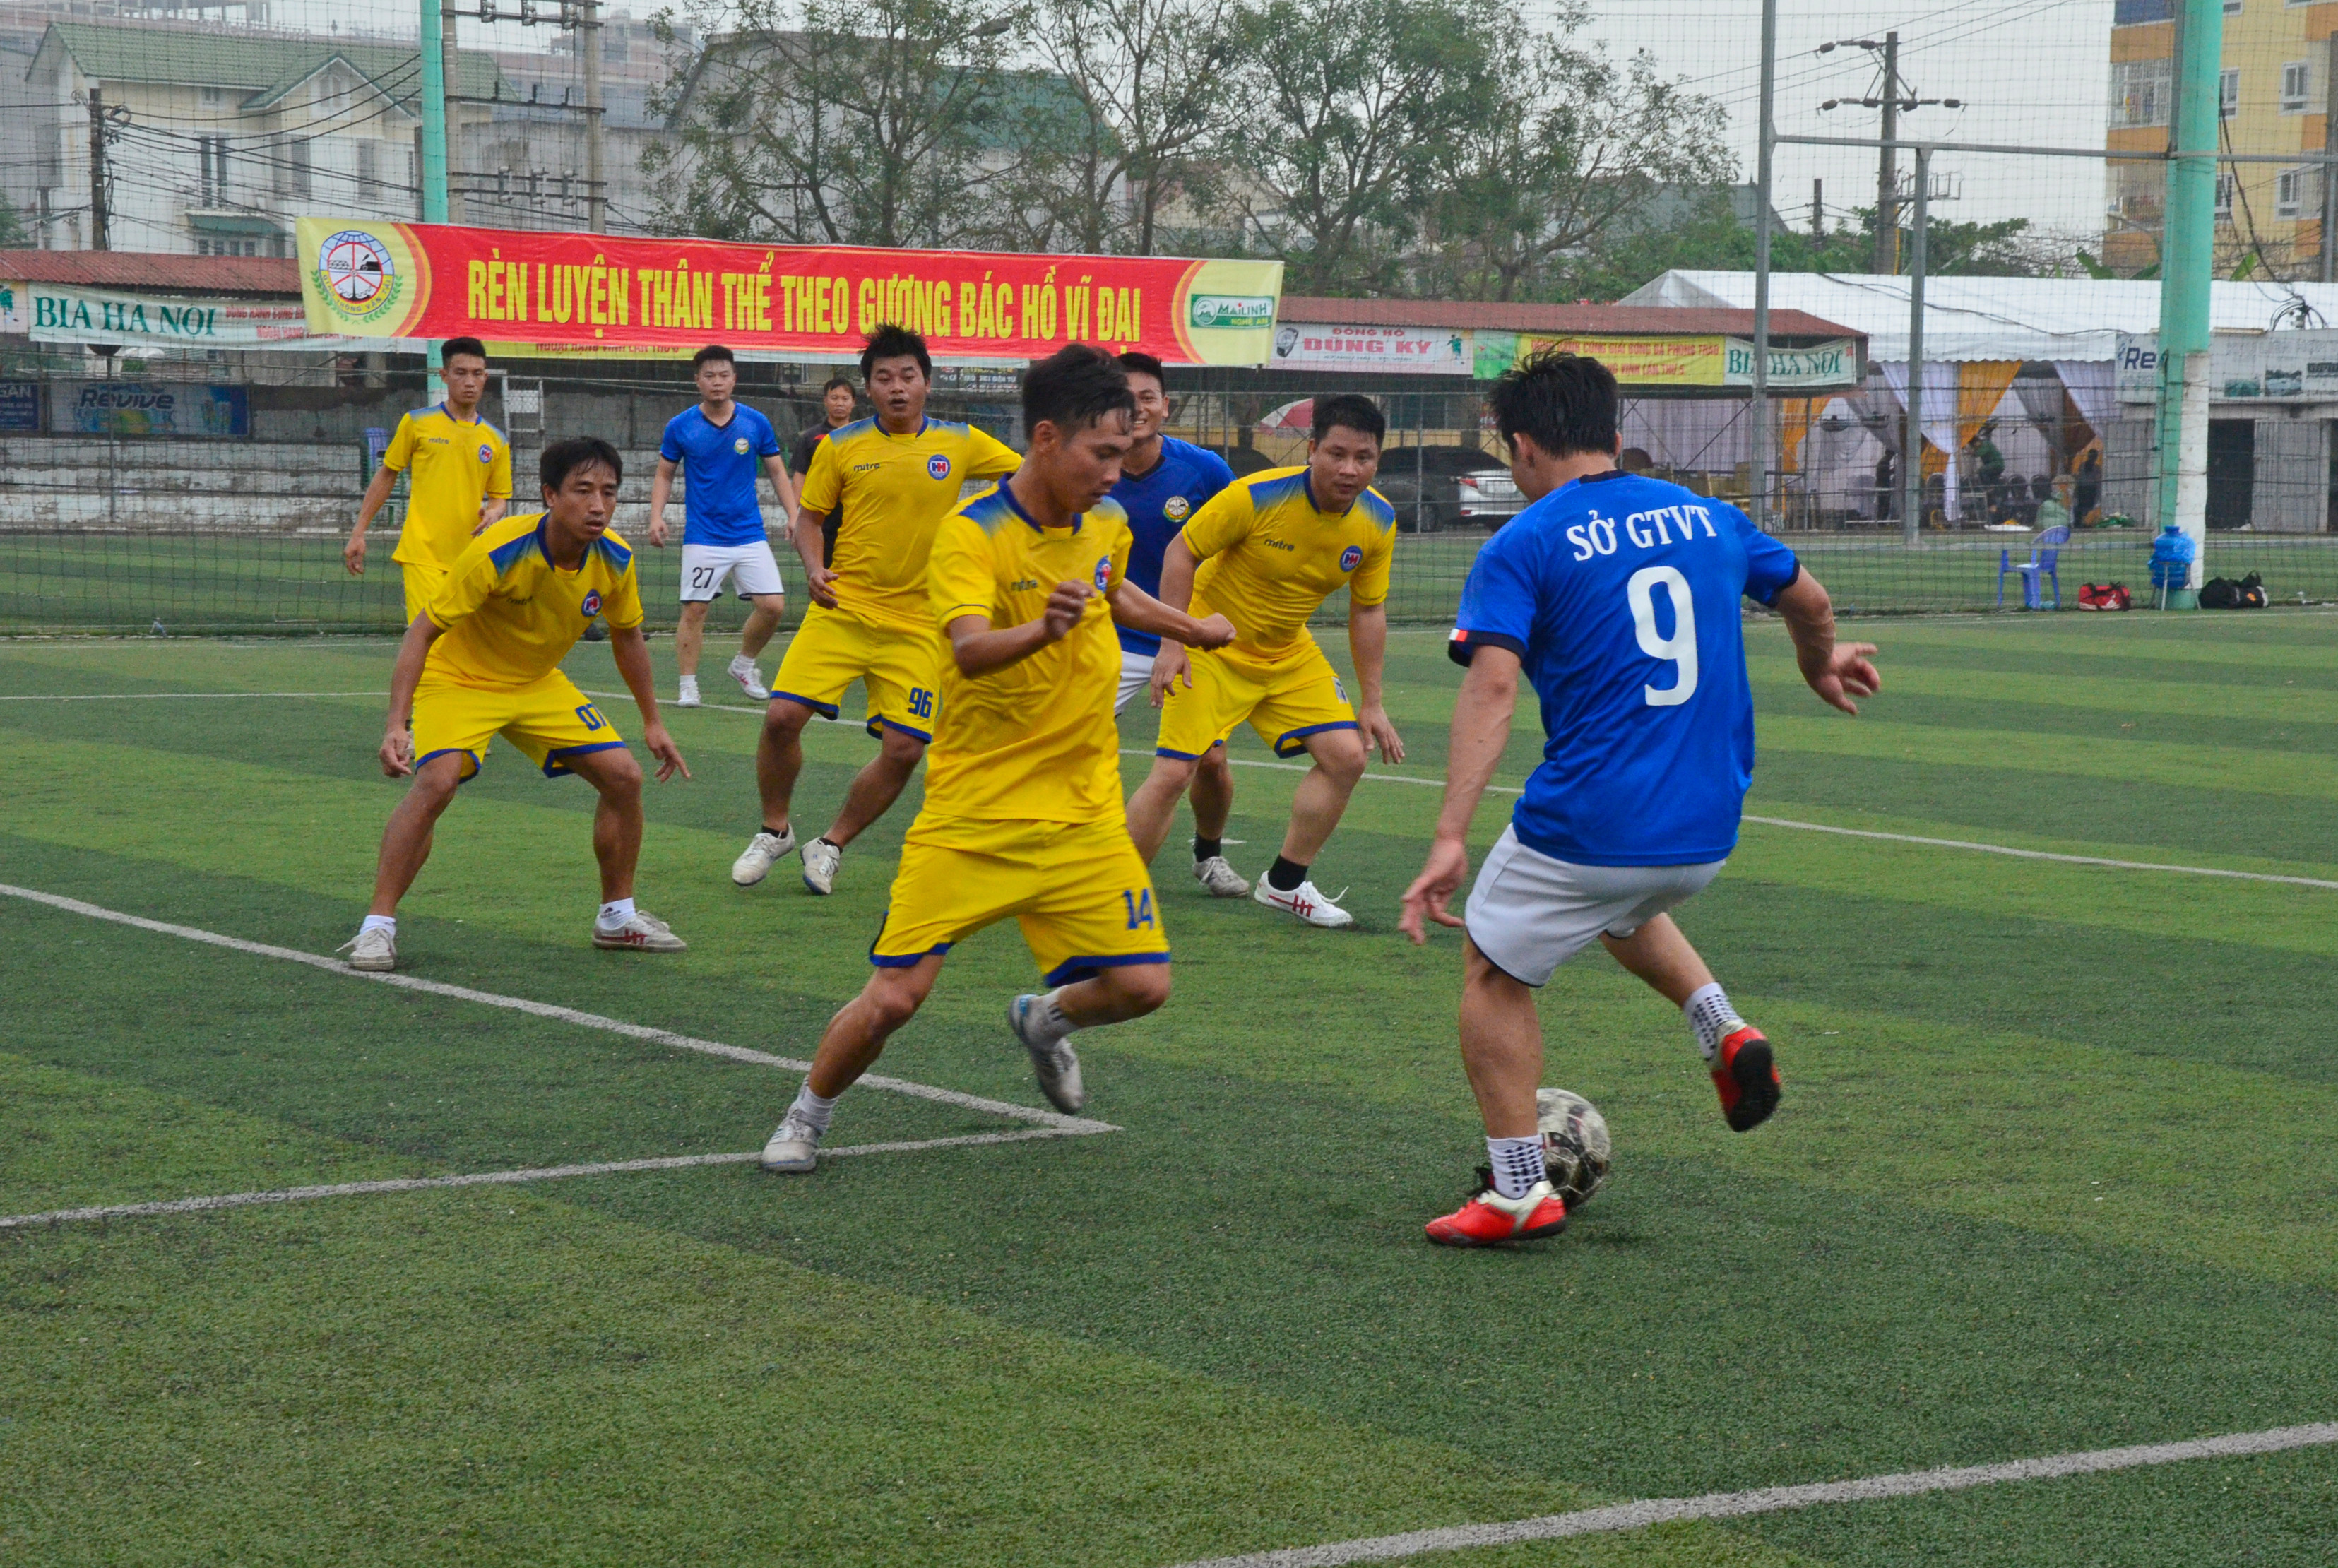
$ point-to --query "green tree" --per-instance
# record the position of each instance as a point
(13, 235)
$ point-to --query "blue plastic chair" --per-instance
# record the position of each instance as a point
(2045, 550)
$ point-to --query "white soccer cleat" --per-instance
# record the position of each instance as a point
(1304, 902)
(639, 933)
(375, 952)
(686, 695)
(1217, 874)
(1056, 1064)
(751, 682)
(794, 1146)
(820, 859)
(763, 851)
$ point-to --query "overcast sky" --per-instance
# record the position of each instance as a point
(2033, 72)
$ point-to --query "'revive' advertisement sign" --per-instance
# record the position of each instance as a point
(596, 291)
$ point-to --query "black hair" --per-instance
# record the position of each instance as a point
(892, 342)
(1567, 402)
(563, 458)
(836, 381)
(1350, 411)
(1074, 387)
(712, 351)
(454, 346)
(1136, 361)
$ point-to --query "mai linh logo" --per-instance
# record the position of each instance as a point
(358, 275)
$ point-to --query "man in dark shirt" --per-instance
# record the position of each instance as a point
(836, 403)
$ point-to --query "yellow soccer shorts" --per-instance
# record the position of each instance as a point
(421, 586)
(1084, 899)
(1285, 698)
(548, 719)
(899, 671)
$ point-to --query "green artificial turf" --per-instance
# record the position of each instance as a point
(2054, 1170)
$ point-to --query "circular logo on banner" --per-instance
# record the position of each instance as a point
(1175, 508)
(486, 453)
(740, 446)
(937, 465)
(368, 281)
(592, 606)
(1351, 558)
(356, 265)
(1103, 573)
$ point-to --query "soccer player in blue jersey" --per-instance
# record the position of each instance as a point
(1163, 481)
(719, 445)
(1616, 595)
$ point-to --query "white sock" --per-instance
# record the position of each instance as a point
(689, 684)
(379, 923)
(742, 663)
(1047, 1020)
(616, 913)
(811, 1109)
(1517, 1163)
(1711, 1017)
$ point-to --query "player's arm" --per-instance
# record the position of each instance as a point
(1838, 671)
(1367, 646)
(397, 743)
(1482, 732)
(497, 499)
(353, 553)
(632, 652)
(821, 492)
(660, 491)
(1138, 611)
(491, 512)
(979, 650)
(1171, 663)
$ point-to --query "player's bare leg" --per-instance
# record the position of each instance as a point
(877, 786)
(1213, 803)
(1744, 1068)
(779, 758)
(688, 637)
(1316, 808)
(617, 845)
(1501, 1045)
(1153, 806)
(405, 839)
(761, 622)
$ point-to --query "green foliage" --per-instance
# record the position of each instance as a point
(13, 235)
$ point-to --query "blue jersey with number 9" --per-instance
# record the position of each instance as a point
(1619, 595)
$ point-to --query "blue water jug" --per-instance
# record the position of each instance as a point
(2171, 557)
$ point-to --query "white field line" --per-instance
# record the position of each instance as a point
(170, 696)
(489, 1178)
(1974, 846)
(1776, 1499)
(667, 1037)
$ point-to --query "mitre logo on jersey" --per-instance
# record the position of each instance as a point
(740, 446)
(1103, 573)
(592, 606)
(1351, 558)
(1175, 508)
(937, 465)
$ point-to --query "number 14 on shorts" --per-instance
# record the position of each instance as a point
(1139, 905)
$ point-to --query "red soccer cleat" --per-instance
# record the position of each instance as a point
(1490, 1219)
(1747, 1078)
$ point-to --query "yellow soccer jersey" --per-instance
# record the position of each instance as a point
(890, 492)
(510, 616)
(1270, 559)
(451, 467)
(1035, 741)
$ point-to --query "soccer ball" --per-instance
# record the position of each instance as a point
(1575, 1146)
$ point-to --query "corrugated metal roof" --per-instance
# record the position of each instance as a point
(265, 68)
(2027, 319)
(150, 270)
(1619, 320)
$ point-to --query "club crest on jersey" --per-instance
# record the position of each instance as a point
(592, 606)
(937, 465)
(486, 453)
(740, 446)
(1175, 508)
(1103, 572)
(1351, 558)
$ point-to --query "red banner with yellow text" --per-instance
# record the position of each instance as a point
(596, 291)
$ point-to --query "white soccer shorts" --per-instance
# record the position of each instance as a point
(753, 568)
(1135, 673)
(1530, 912)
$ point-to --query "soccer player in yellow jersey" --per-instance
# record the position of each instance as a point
(1022, 817)
(462, 481)
(891, 480)
(484, 660)
(1265, 553)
